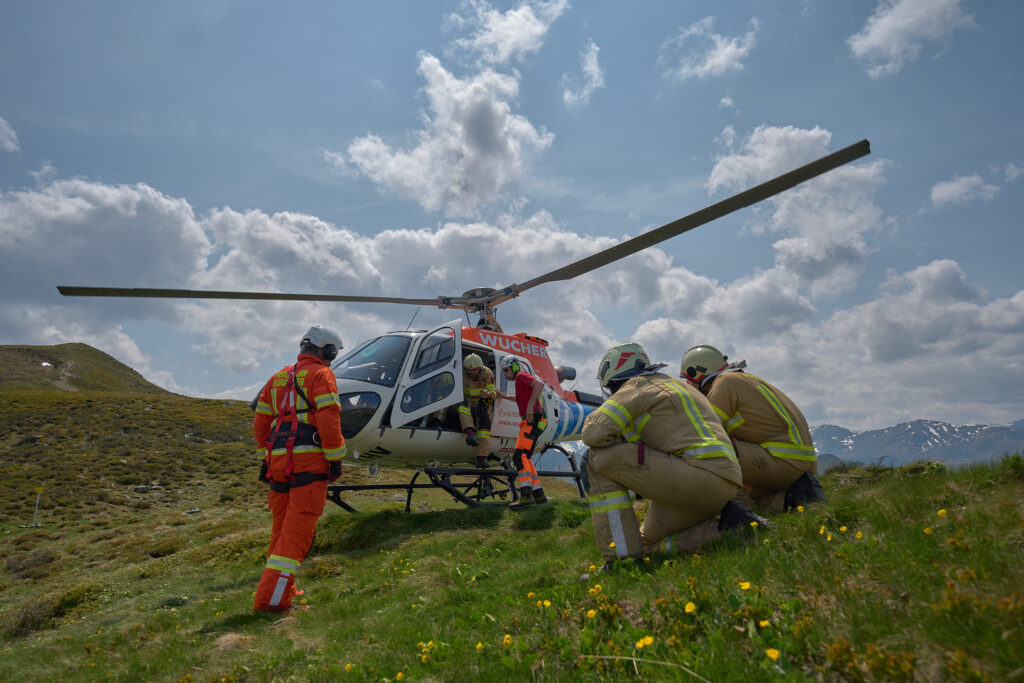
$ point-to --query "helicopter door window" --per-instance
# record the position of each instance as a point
(435, 351)
(428, 391)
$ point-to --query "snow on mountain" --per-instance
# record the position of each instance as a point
(920, 440)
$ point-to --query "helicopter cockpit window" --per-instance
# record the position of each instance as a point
(435, 351)
(378, 361)
(428, 391)
(356, 410)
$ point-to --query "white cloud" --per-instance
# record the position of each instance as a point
(471, 147)
(500, 37)
(766, 153)
(1012, 172)
(961, 190)
(726, 103)
(577, 88)
(898, 30)
(8, 138)
(699, 52)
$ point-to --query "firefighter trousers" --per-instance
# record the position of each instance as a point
(476, 415)
(527, 478)
(295, 516)
(766, 477)
(684, 497)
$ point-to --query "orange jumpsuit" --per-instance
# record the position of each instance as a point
(298, 479)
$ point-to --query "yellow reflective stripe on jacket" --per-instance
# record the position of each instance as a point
(618, 413)
(464, 410)
(788, 450)
(307, 448)
(730, 423)
(709, 446)
(606, 502)
(264, 409)
(641, 422)
(324, 400)
(796, 449)
(335, 453)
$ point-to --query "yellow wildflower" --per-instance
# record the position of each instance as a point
(753, 524)
(860, 534)
(843, 528)
(822, 529)
(479, 646)
(942, 512)
(591, 614)
(507, 640)
(399, 676)
(764, 623)
(531, 595)
(799, 508)
(612, 544)
(772, 653)
(690, 608)
(540, 603)
(348, 668)
(425, 658)
(547, 603)
(828, 537)
(744, 585)
(591, 568)
(928, 531)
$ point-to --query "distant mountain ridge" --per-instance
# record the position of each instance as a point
(69, 367)
(920, 440)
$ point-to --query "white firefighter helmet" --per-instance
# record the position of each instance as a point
(323, 338)
(621, 362)
(513, 363)
(473, 362)
(701, 363)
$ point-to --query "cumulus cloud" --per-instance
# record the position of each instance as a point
(499, 37)
(1011, 172)
(699, 52)
(962, 190)
(471, 147)
(726, 103)
(8, 138)
(578, 87)
(898, 30)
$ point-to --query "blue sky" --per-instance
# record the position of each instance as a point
(414, 149)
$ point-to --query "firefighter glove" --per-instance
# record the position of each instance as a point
(335, 472)
(264, 473)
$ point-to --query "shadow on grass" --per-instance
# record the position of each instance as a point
(361, 533)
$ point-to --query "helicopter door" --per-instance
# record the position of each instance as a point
(433, 378)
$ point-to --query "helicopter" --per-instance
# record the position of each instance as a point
(399, 391)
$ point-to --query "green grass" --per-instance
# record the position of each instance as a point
(912, 573)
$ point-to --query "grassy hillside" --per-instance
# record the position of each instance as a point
(912, 573)
(71, 367)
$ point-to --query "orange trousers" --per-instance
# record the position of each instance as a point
(295, 516)
(527, 474)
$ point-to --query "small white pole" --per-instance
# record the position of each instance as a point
(39, 492)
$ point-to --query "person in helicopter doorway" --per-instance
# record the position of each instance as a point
(476, 410)
(769, 432)
(298, 421)
(659, 437)
(528, 397)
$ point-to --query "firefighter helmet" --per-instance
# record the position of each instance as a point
(473, 362)
(702, 363)
(621, 362)
(513, 363)
(324, 339)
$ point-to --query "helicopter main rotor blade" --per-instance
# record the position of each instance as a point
(677, 227)
(208, 294)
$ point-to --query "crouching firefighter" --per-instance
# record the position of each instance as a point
(659, 437)
(298, 420)
(528, 398)
(476, 411)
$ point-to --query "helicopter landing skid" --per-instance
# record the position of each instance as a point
(487, 487)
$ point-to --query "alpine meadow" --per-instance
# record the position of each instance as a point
(151, 529)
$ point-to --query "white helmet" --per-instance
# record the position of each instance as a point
(513, 363)
(621, 362)
(323, 338)
(702, 363)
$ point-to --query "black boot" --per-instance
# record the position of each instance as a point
(539, 497)
(806, 489)
(736, 516)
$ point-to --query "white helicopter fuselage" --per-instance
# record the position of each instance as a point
(399, 396)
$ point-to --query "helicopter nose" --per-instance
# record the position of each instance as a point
(357, 408)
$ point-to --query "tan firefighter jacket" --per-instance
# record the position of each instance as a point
(755, 411)
(667, 415)
(473, 387)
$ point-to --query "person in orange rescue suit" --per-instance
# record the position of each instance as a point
(770, 434)
(659, 437)
(528, 398)
(298, 421)
(476, 411)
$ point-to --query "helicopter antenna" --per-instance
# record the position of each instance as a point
(415, 313)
